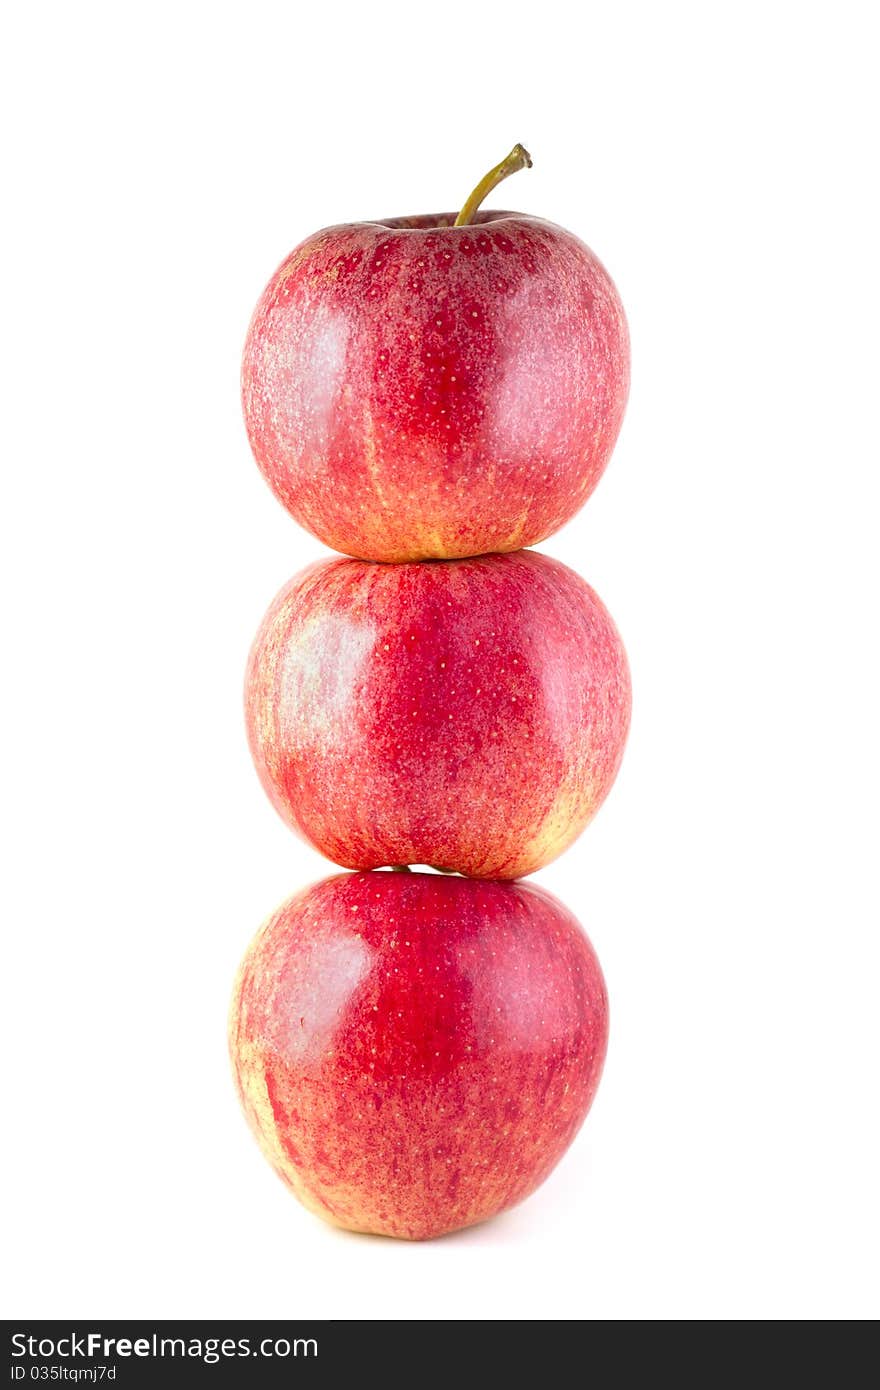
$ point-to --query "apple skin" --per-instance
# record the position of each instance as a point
(467, 714)
(415, 1053)
(413, 390)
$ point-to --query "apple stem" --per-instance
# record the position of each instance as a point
(400, 868)
(519, 158)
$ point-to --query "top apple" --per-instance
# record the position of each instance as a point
(435, 387)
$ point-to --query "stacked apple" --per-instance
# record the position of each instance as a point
(415, 1051)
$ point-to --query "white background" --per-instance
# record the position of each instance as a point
(160, 160)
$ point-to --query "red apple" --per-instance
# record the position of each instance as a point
(468, 714)
(415, 1053)
(414, 389)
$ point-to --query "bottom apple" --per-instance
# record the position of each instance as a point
(416, 1052)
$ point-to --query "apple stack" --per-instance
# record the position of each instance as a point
(429, 395)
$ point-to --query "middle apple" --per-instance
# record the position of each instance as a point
(466, 714)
